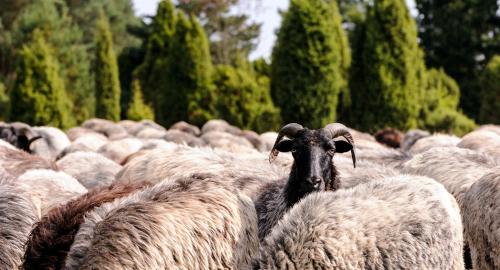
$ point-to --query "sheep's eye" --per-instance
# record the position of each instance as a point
(294, 150)
(331, 152)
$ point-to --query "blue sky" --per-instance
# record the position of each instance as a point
(264, 11)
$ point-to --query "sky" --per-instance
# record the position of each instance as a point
(264, 11)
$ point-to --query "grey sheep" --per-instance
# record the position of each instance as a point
(52, 143)
(111, 130)
(17, 216)
(221, 126)
(481, 217)
(482, 141)
(401, 222)
(119, 150)
(16, 162)
(92, 170)
(181, 224)
(411, 137)
(185, 127)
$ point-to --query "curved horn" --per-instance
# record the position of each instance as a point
(335, 130)
(289, 130)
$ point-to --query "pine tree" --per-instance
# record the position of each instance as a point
(189, 92)
(106, 74)
(152, 72)
(490, 92)
(307, 63)
(137, 109)
(38, 96)
(388, 69)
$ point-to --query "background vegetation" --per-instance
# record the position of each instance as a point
(366, 63)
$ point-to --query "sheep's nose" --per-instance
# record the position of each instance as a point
(315, 181)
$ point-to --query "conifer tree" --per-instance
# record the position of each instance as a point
(307, 69)
(138, 109)
(152, 72)
(189, 92)
(38, 96)
(490, 92)
(388, 69)
(244, 99)
(106, 74)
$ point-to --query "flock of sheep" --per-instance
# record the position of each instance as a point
(134, 195)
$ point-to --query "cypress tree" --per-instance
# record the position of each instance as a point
(244, 99)
(151, 72)
(4, 102)
(388, 69)
(490, 92)
(439, 111)
(38, 96)
(190, 93)
(106, 74)
(307, 63)
(137, 109)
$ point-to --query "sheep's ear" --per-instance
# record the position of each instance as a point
(342, 146)
(284, 146)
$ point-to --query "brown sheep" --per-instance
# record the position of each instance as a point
(50, 240)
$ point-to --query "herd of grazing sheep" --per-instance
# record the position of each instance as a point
(134, 195)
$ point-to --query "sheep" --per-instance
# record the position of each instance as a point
(48, 189)
(185, 127)
(17, 216)
(268, 138)
(312, 169)
(254, 139)
(457, 169)
(92, 141)
(492, 128)
(228, 142)
(19, 135)
(383, 156)
(246, 172)
(90, 169)
(436, 140)
(181, 224)
(481, 212)
(151, 144)
(221, 126)
(150, 133)
(181, 137)
(76, 132)
(389, 136)
(4, 143)
(16, 162)
(106, 127)
(53, 142)
(118, 150)
(133, 128)
(482, 141)
(51, 238)
(411, 137)
(401, 222)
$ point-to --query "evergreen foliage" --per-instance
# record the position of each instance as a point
(244, 99)
(231, 35)
(38, 96)
(388, 69)
(52, 19)
(190, 93)
(138, 110)
(120, 14)
(307, 69)
(4, 102)
(152, 72)
(439, 110)
(490, 92)
(106, 74)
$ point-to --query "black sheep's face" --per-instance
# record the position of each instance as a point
(312, 152)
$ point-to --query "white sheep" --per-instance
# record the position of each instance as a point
(401, 222)
(481, 217)
(90, 169)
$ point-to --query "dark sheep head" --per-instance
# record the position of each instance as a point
(18, 138)
(312, 150)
